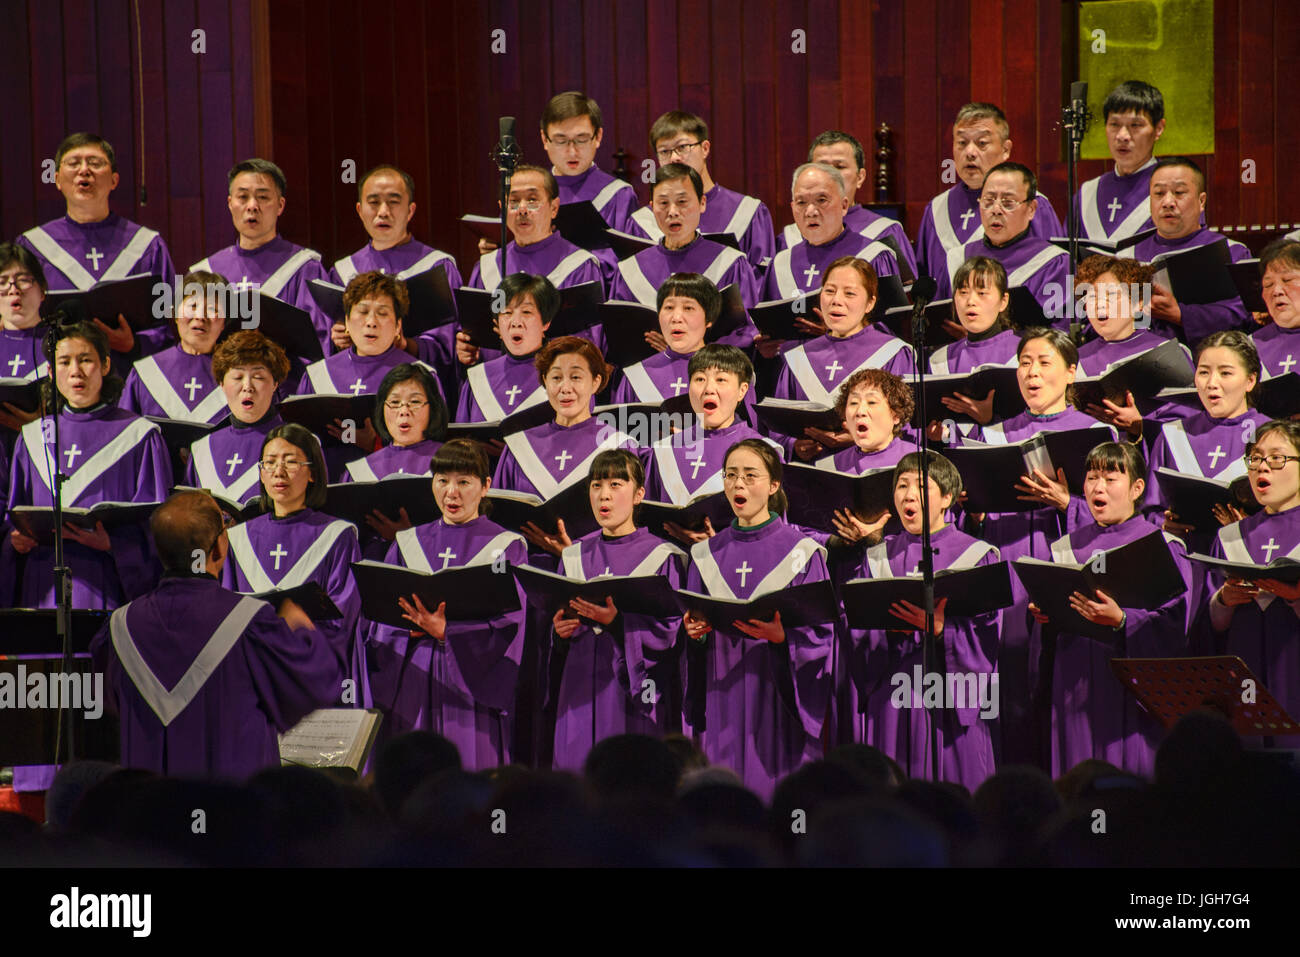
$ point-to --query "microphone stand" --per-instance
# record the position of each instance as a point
(1074, 119)
(506, 156)
(931, 647)
(63, 740)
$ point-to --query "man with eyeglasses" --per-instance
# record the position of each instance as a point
(680, 137)
(571, 134)
(819, 200)
(1008, 206)
(90, 243)
(981, 138)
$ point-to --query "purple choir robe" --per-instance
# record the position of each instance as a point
(257, 679)
(1278, 349)
(686, 465)
(853, 461)
(1198, 321)
(725, 211)
(225, 460)
(1200, 445)
(760, 708)
(814, 370)
(1092, 714)
(393, 460)
(613, 198)
(1097, 355)
(952, 220)
(662, 376)
(870, 659)
(609, 671)
(78, 255)
(437, 346)
(1114, 206)
(554, 257)
(1263, 632)
(969, 354)
(278, 268)
(547, 459)
(464, 687)
(801, 268)
(175, 385)
(500, 387)
(350, 372)
(865, 222)
(277, 554)
(1029, 261)
(21, 355)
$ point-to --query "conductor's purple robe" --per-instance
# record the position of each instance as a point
(975, 352)
(277, 554)
(952, 219)
(1114, 206)
(802, 267)
(1198, 321)
(868, 223)
(257, 679)
(1029, 261)
(870, 660)
(174, 385)
(620, 678)
(1264, 632)
(547, 459)
(1279, 349)
(689, 464)
(814, 370)
(1092, 715)
(761, 707)
(464, 687)
(499, 387)
(77, 255)
(725, 211)
(225, 460)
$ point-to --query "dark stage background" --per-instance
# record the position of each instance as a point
(313, 84)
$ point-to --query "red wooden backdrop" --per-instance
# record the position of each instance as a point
(416, 83)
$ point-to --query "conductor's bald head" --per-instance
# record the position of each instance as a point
(187, 527)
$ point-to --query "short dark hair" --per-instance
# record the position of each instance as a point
(674, 171)
(545, 295)
(1122, 457)
(1241, 345)
(677, 121)
(724, 359)
(946, 476)
(261, 166)
(1184, 162)
(188, 523)
(466, 457)
(1061, 344)
(692, 285)
(303, 438)
(1285, 251)
(897, 393)
(213, 287)
(772, 462)
(1137, 96)
(75, 141)
(569, 105)
(572, 345)
(1007, 166)
(11, 253)
(412, 372)
(617, 464)
(831, 137)
(1290, 431)
(387, 168)
(980, 272)
(983, 111)
(87, 331)
(548, 178)
(376, 283)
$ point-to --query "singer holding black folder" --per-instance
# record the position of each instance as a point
(457, 678)
(22, 290)
(874, 708)
(1278, 342)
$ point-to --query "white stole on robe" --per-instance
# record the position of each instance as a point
(241, 548)
(94, 466)
(165, 394)
(781, 574)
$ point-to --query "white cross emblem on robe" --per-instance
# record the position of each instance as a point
(191, 387)
(743, 571)
(446, 555)
(965, 218)
(278, 553)
(17, 363)
(1114, 207)
(72, 453)
(94, 256)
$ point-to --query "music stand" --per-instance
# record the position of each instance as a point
(1169, 688)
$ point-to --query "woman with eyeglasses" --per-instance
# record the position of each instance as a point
(292, 543)
(1260, 621)
(22, 290)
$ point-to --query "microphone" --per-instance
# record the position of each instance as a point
(507, 151)
(922, 291)
(70, 311)
(1080, 115)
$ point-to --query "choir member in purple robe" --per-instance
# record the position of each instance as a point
(456, 678)
(537, 247)
(1278, 344)
(106, 454)
(177, 383)
(813, 370)
(249, 369)
(1113, 298)
(981, 139)
(758, 704)
(571, 134)
(499, 387)
(819, 200)
(411, 422)
(678, 201)
(261, 258)
(90, 243)
(844, 152)
(549, 458)
(980, 300)
(1211, 442)
(875, 407)
(688, 464)
(1008, 205)
(1116, 204)
(22, 290)
(1259, 621)
(1093, 717)
(1177, 204)
(257, 675)
(385, 204)
(680, 137)
(292, 543)
(688, 305)
(880, 708)
(618, 672)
